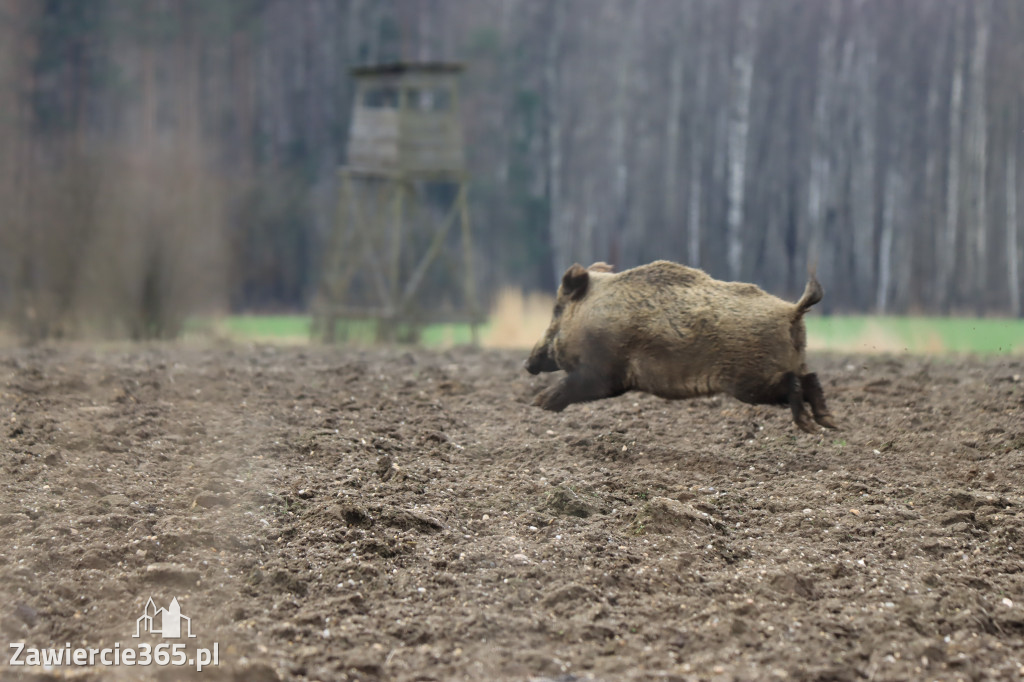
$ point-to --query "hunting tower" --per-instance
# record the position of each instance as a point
(399, 196)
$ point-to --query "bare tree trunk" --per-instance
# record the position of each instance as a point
(820, 181)
(1014, 251)
(672, 127)
(1013, 254)
(739, 129)
(426, 38)
(16, 56)
(588, 223)
(863, 180)
(934, 150)
(694, 213)
(552, 65)
(620, 124)
(891, 213)
(355, 28)
(977, 141)
(698, 131)
(956, 103)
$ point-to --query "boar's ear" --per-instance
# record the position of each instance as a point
(574, 281)
(601, 266)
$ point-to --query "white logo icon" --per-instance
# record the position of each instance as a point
(165, 622)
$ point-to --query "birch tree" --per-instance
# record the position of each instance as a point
(698, 132)
(864, 157)
(15, 75)
(625, 75)
(977, 157)
(819, 182)
(739, 130)
(955, 146)
(553, 117)
(935, 152)
(673, 125)
(1013, 252)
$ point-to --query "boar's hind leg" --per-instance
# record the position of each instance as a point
(578, 386)
(816, 397)
(796, 403)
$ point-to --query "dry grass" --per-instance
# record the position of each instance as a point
(518, 320)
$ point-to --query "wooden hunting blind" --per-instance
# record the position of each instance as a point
(401, 192)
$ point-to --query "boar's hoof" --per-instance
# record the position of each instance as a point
(805, 424)
(826, 421)
(551, 399)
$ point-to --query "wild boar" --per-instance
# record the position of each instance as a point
(673, 331)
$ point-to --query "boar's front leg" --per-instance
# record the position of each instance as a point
(578, 386)
(816, 397)
(796, 402)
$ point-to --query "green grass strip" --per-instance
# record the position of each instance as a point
(852, 333)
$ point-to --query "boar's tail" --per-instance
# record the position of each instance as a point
(812, 294)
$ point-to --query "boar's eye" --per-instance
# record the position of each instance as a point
(559, 307)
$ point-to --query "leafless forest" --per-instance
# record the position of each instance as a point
(168, 157)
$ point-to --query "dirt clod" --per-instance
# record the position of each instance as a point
(568, 502)
(664, 515)
(171, 574)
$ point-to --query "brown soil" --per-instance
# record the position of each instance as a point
(329, 514)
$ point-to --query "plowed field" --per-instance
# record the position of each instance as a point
(331, 514)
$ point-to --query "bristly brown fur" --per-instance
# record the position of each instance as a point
(673, 331)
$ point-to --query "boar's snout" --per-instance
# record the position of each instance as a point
(540, 360)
